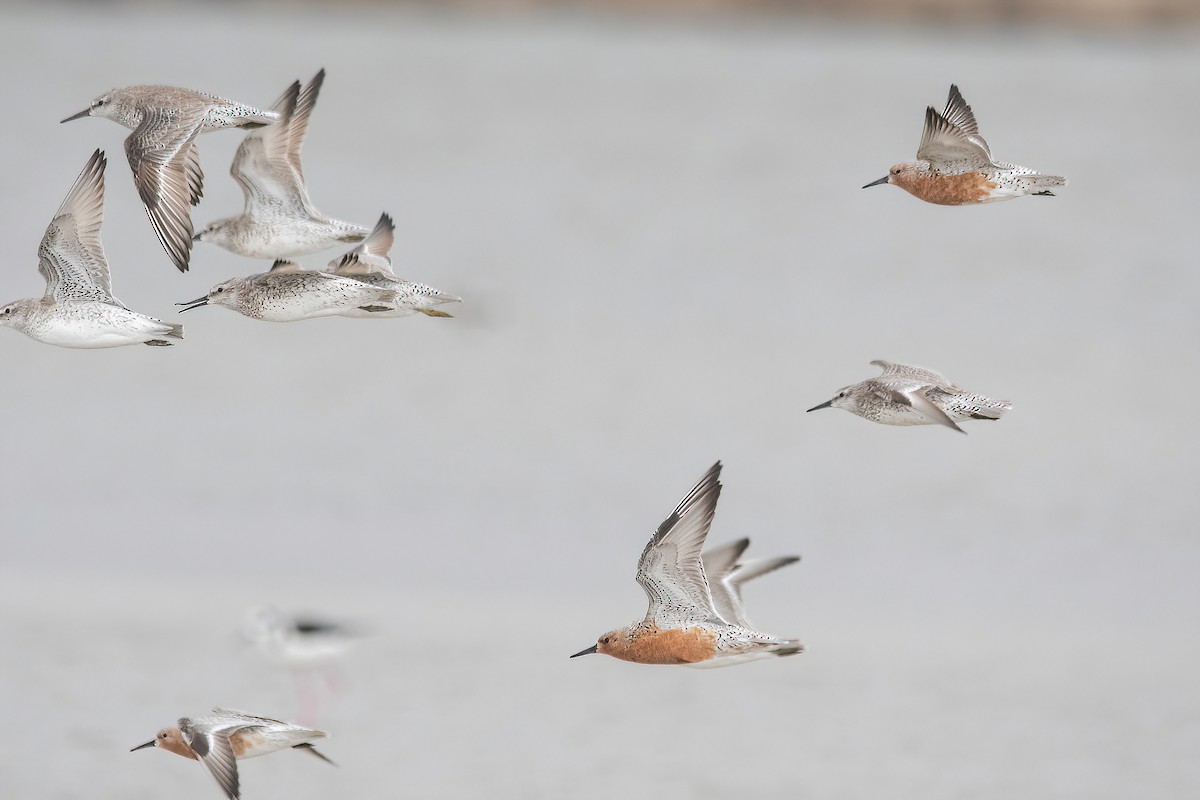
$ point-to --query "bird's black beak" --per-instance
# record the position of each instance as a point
(199, 301)
(586, 652)
(143, 746)
(826, 404)
(196, 238)
(884, 179)
(83, 113)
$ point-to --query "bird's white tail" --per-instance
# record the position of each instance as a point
(1042, 184)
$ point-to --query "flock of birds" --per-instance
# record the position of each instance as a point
(695, 616)
(279, 222)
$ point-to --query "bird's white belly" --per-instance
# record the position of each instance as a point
(106, 330)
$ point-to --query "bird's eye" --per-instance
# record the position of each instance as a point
(220, 289)
(604, 640)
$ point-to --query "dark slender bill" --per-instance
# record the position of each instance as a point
(884, 179)
(586, 652)
(140, 746)
(826, 404)
(80, 115)
(200, 301)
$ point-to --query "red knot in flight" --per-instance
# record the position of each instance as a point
(954, 165)
(78, 309)
(683, 624)
(219, 741)
(369, 263)
(162, 150)
(905, 395)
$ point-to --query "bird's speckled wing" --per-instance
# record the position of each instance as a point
(371, 256)
(670, 570)
(952, 137)
(210, 739)
(166, 172)
(904, 375)
(71, 257)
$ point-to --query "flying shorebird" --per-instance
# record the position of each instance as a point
(682, 624)
(78, 309)
(369, 263)
(955, 165)
(278, 219)
(905, 395)
(288, 293)
(220, 740)
(162, 150)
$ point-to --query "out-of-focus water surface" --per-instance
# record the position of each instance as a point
(666, 258)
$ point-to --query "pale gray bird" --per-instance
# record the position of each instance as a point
(369, 263)
(78, 309)
(162, 150)
(278, 219)
(954, 165)
(905, 395)
(289, 293)
(221, 740)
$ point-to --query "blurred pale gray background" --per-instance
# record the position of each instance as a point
(658, 229)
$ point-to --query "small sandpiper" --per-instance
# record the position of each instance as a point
(905, 395)
(955, 165)
(221, 740)
(278, 219)
(682, 624)
(289, 293)
(78, 309)
(369, 263)
(162, 150)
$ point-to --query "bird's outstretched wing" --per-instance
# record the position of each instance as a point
(267, 163)
(71, 257)
(166, 172)
(671, 570)
(952, 137)
(371, 255)
(210, 741)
